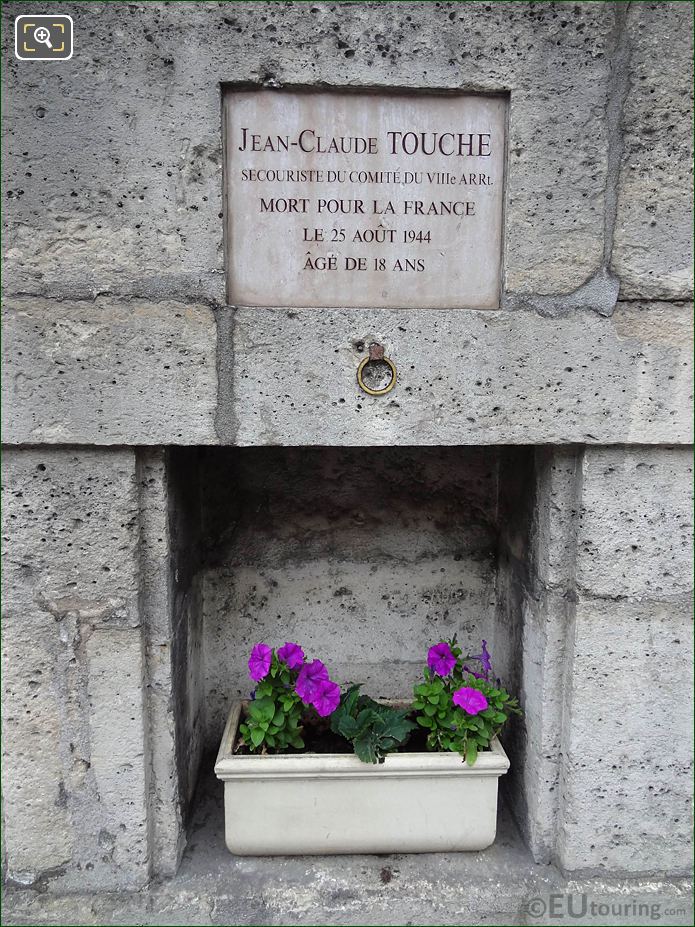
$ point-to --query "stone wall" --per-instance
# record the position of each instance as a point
(117, 329)
(607, 677)
(119, 349)
(75, 771)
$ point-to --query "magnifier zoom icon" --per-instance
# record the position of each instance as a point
(43, 35)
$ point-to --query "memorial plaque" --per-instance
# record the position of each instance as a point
(364, 199)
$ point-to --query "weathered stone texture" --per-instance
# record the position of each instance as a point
(134, 165)
(547, 616)
(627, 753)
(73, 766)
(108, 372)
(117, 758)
(627, 718)
(156, 602)
(653, 250)
(114, 371)
(635, 530)
(135, 581)
(604, 776)
(464, 377)
(186, 617)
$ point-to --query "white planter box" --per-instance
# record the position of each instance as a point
(333, 803)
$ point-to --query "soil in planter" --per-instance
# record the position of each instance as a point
(319, 738)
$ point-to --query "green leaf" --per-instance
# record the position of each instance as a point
(424, 721)
(471, 752)
(364, 748)
(262, 709)
(256, 737)
(400, 726)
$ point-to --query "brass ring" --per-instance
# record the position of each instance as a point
(376, 392)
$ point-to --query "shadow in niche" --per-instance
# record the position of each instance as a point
(366, 556)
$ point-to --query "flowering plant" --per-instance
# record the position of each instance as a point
(287, 685)
(462, 708)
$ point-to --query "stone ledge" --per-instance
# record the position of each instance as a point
(135, 372)
(465, 377)
(501, 885)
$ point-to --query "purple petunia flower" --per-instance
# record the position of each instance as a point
(259, 662)
(326, 698)
(485, 660)
(467, 669)
(292, 655)
(471, 700)
(440, 659)
(310, 675)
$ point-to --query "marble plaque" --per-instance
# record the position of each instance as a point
(364, 199)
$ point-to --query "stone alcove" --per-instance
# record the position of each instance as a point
(366, 556)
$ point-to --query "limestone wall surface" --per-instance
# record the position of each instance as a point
(607, 675)
(132, 581)
(117, 325)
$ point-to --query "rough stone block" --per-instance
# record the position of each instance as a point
(157, 607)
(37, 831)
(635, 527)
(73, 770)
(117, 741)
(557, 497)
(464, 377)
(109, 372)
(652, 248)
(128, 189)
(536, 769)
(605, 760)
(547, 616)
(626, 785)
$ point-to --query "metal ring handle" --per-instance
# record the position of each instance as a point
(376, 392)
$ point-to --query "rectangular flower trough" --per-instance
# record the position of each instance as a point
(310, 803)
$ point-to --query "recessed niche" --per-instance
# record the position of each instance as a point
(365, 556)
